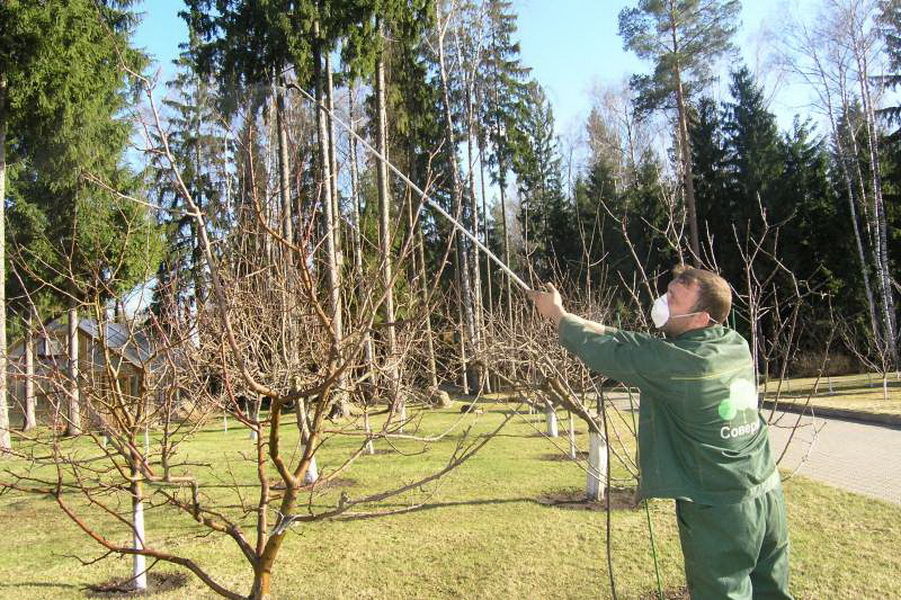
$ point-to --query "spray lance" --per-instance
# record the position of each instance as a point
(428, 200)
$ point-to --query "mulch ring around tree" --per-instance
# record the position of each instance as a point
(157, 583)
(677, 594)
(574, 499)
(564, 457)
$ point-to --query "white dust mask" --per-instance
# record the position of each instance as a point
(660, 312)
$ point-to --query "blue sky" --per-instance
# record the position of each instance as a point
(571, 46)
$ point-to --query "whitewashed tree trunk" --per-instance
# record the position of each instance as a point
(312, 474)
(255, 417)
(597, 466)
(73, 426)
(573, 449)
(139, 565)
(30, 408)
(370, 449)
(550, 418)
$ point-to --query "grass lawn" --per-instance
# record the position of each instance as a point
(849, 392)
(482, 535)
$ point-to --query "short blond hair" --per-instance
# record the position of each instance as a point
(714, 293)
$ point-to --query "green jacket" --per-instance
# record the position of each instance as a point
(700, 434)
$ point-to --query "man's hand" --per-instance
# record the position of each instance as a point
(549, 303)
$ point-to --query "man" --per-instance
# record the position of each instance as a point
(701, 439)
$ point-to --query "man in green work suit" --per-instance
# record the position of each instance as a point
(701, 438)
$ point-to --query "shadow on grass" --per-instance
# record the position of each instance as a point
(36, 584)
(435, 505)
(620, 498)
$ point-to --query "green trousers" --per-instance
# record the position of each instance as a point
(736, 551)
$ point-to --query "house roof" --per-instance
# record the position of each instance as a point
(131, 343)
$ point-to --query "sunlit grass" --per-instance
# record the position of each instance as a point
(862, 392)
(481, 533)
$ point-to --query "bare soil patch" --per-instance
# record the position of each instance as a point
(562, 457)
(157, 583)
(574, 499)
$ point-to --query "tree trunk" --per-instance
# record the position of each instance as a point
(573, 449)
(337, 308)
(5, 439)
(357, 233)
(384, 193)
(30, 416)
(881, 242)
(502, 191)
(418, 278)
(685, 145)
(139, 567)
(478, 319)
(597, 466)
(73, 425)
(282, 253)
(284, 172)
(424, 296)
(367, 426)
(488, 282)
(312, 474)
(687, 174)
(255, 416)
(550, 418)
(261, 584)
(849, 185)
(461, 260)
(300, 410)
(331, 249)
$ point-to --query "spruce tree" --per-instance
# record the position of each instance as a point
(65, 149)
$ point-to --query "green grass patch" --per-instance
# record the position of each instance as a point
(481, 534)
(862, 392)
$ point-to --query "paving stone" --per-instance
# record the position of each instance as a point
(858, 457)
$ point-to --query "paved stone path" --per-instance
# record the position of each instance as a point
(859, 457)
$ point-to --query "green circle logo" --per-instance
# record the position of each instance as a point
(727, 409)
(742, 396)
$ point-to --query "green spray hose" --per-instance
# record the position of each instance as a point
(647, 511)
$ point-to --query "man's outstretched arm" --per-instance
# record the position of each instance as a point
(550, 305)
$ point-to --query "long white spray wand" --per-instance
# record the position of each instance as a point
(416, 188)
